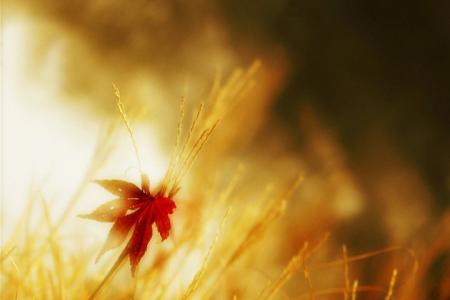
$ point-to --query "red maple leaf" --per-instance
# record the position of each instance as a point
(135, 210)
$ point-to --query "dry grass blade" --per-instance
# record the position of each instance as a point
(195, 150)
(58, 288)
(199, 275)
(372, 254)
(177, 151)
(354, 289)
(293, 265)
(391, 285)
(346, 275)
(5, 253)
(123, 114)
(119, 262)
(273, 211)
(184, 156)
(308, 280)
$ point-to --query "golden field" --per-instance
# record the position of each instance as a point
(267, 209)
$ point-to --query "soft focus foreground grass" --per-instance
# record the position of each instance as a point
(242, 229)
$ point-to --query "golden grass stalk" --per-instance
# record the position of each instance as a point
(297, 261)
(354, 289)
(346, 275)
(274, 210)
(199, 275)
(287, 273)
(123, 114)
(410, 252)
(391, 285)
(206, 247)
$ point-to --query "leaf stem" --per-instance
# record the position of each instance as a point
(110, 274)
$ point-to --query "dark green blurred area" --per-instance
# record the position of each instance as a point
(368, 68)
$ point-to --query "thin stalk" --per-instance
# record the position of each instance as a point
(111, 273)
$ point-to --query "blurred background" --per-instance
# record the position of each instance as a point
(354, 94)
